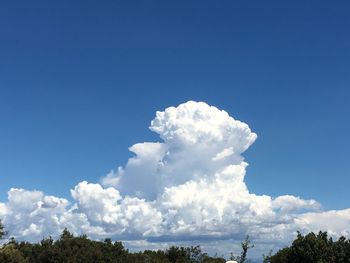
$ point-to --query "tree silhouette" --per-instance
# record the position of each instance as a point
(246, 245)
(318, 248)
(80, 249)
(2, 230)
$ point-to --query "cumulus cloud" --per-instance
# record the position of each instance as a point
(31, 214)
(189, 186)
(337, 223)
(198, 141)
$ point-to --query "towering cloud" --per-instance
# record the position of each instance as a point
(189, 186)
(198, 142)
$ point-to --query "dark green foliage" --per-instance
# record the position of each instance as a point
(71, 249)
(314, 248)
(189, 255)
(2, 231)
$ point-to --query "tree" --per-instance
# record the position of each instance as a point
(176, 254)
(2, 230)
(80, 249)
(318, 248)
(266, 259)
(246, 245)
(10, 254)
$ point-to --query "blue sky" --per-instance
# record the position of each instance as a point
(80, 83)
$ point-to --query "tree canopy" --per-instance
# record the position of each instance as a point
(318, 248)
(311, 248)
(71, 249)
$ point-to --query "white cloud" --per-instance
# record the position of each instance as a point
(289, 203)
(337, 223)
(190, 186)
(31, 214)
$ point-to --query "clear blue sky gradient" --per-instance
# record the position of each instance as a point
(80, 82)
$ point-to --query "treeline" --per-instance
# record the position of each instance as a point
(71, 249)
(313, 248)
